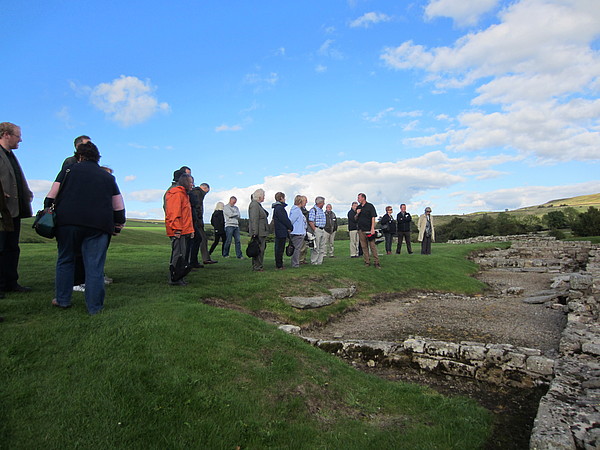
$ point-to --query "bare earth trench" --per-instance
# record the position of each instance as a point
(489, 318)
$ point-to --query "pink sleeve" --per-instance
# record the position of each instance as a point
(118, 203)
(54, 190)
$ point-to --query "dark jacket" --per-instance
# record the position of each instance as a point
(281, 220)
(86, 198)
(352, 221)
(403, 222)
(330, 222)
(367, 213)
(218, 222)
(390, 222)
(197, 201)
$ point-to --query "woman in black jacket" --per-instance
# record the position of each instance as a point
(388, 227)
(218, 222)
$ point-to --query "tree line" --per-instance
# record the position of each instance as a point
(581, 224)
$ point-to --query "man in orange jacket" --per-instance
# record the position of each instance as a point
(180, 228)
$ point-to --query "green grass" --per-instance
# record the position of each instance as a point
(160, 369)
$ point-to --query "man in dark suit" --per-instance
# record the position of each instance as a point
(15, 204)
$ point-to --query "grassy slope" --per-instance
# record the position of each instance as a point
(160, 369)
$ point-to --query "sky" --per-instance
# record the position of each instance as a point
(460, 105)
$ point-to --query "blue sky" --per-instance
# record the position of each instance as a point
(461, 105)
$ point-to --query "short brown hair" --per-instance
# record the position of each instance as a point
(279, 196)
(7, 127)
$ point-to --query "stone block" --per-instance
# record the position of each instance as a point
(472, 352)
(540, 364)
(455, 368)
(591, 348)
(309, 302)
(516, 360)
(425, 363)
(441, 348)
(496, 355)
(414, 345)
(343, 292)
(581, 282)
(291, 329)
(529, 351)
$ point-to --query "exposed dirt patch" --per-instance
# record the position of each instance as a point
(491, 318)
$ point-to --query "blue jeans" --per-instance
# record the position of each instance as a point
(232, 232)
(93, 244)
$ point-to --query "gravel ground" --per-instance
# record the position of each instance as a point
(489, 318)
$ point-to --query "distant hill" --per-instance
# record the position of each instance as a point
(581, 203)
(582, 200)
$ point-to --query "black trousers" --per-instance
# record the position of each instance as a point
(218, 237)
(279, 249)
(406, 236)
(426, 246)
(9, 256)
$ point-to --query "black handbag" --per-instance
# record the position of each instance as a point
(289, 250)
(253, 249)
(45, 219)
(45, 223)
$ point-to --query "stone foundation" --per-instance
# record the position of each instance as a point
(534, 253)
(569, 414)
(500, 364)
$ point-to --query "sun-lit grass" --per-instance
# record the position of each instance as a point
(160, 369)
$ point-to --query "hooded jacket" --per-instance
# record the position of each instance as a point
(282, 222)
(178, 211)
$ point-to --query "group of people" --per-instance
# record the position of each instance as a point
(400, 227)
(302, 229)
(88, 210)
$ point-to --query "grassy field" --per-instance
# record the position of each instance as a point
(161, 369)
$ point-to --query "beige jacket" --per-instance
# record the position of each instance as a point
(258, 224)
(421, 226)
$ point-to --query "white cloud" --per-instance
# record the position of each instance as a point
(390, 112)
(259, 79)
(130, 178)
(39, 187)
(368, 19)
(328, 49)
(127, 100)
(520, 197)
(383, 182)
(463, 12)
(225, 127)
(538, 63)
(146, 195)
(320, 68)
(64, 115)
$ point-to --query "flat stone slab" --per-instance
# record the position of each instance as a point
(309, 302)
(320, 300)
(538, 299)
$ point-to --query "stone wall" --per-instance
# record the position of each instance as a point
(569, 414)
(501, 364)
(534, 254)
